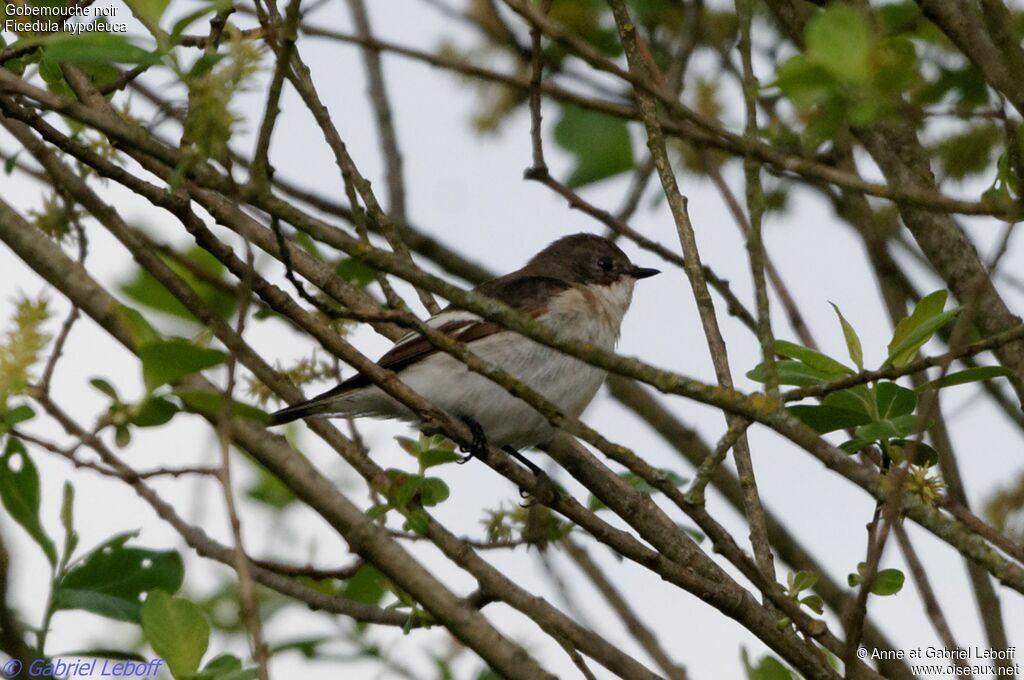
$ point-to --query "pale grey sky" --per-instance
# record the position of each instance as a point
(468, 189)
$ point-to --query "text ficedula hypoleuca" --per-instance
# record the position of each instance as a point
(580, 286)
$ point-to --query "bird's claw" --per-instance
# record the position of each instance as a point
(478, 447)
(528, 500)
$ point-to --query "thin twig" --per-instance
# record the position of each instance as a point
(756, 209)
(354, 181)
(644, 70)
(246, 588)
(539, 167)
(382, 110)
(623, 609)
(260, 171)
(931, 603)
(315, 573)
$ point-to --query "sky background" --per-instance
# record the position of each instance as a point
(467, 189)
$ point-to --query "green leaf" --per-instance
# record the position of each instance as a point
(122, 436)
(839, 40)
(855, 445)
(906, 350)
(924, 455)
(967, 83)
(599, 143)
(49, 71)
(856, 398)
(141, 331)
(355, 272)
(884, 430)
(793, 373)
(864, 111)
(309, 245)
(489, 674)
(893, 401)
(67, 520)
(152, 412)
(433, 491)
(908, 336)
(814, 603)
(211, 403)
(270, 490)
(410, 446)
(147, 290)
(100, 49)
(811, 357)
(105, 387)
(11, 162)
(307, 647)
(166, 361)
(823, 419)
(19, 414)
(378, 510)
(102, 653)
(768, 668)
(801, 581)
(825, 123)
(418, 522)
(209, 8)
(111, 579)
(225, 667)
(968, 152)
(927, 307)
(433, 457)
(177, 630)
(366, 585)
(402, 487)
(19, 492)
(693, 533)
(149, 11)
(967, 375)
(204, 64)
(144, 289)
(805, 83)
(888, 582)
(897, 17)
(852, 341)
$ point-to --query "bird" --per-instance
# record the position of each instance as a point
(580, 286)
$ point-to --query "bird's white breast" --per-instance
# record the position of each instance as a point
(589, 314)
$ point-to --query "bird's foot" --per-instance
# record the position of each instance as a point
(530, 465)
(478, 447)
(548, 491)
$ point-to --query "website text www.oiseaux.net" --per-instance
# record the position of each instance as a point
(938, 662)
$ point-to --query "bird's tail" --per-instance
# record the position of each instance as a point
(320, 405)
(287, 415)
(351, 399)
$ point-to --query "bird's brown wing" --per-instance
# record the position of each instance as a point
(529, 294)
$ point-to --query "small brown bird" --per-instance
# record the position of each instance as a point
(580, 286)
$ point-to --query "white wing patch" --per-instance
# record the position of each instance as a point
(439, 320)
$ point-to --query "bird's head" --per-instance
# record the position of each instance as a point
(587, 259)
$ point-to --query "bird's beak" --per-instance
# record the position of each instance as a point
(644, 272)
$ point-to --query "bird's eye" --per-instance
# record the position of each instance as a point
(605, 263)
